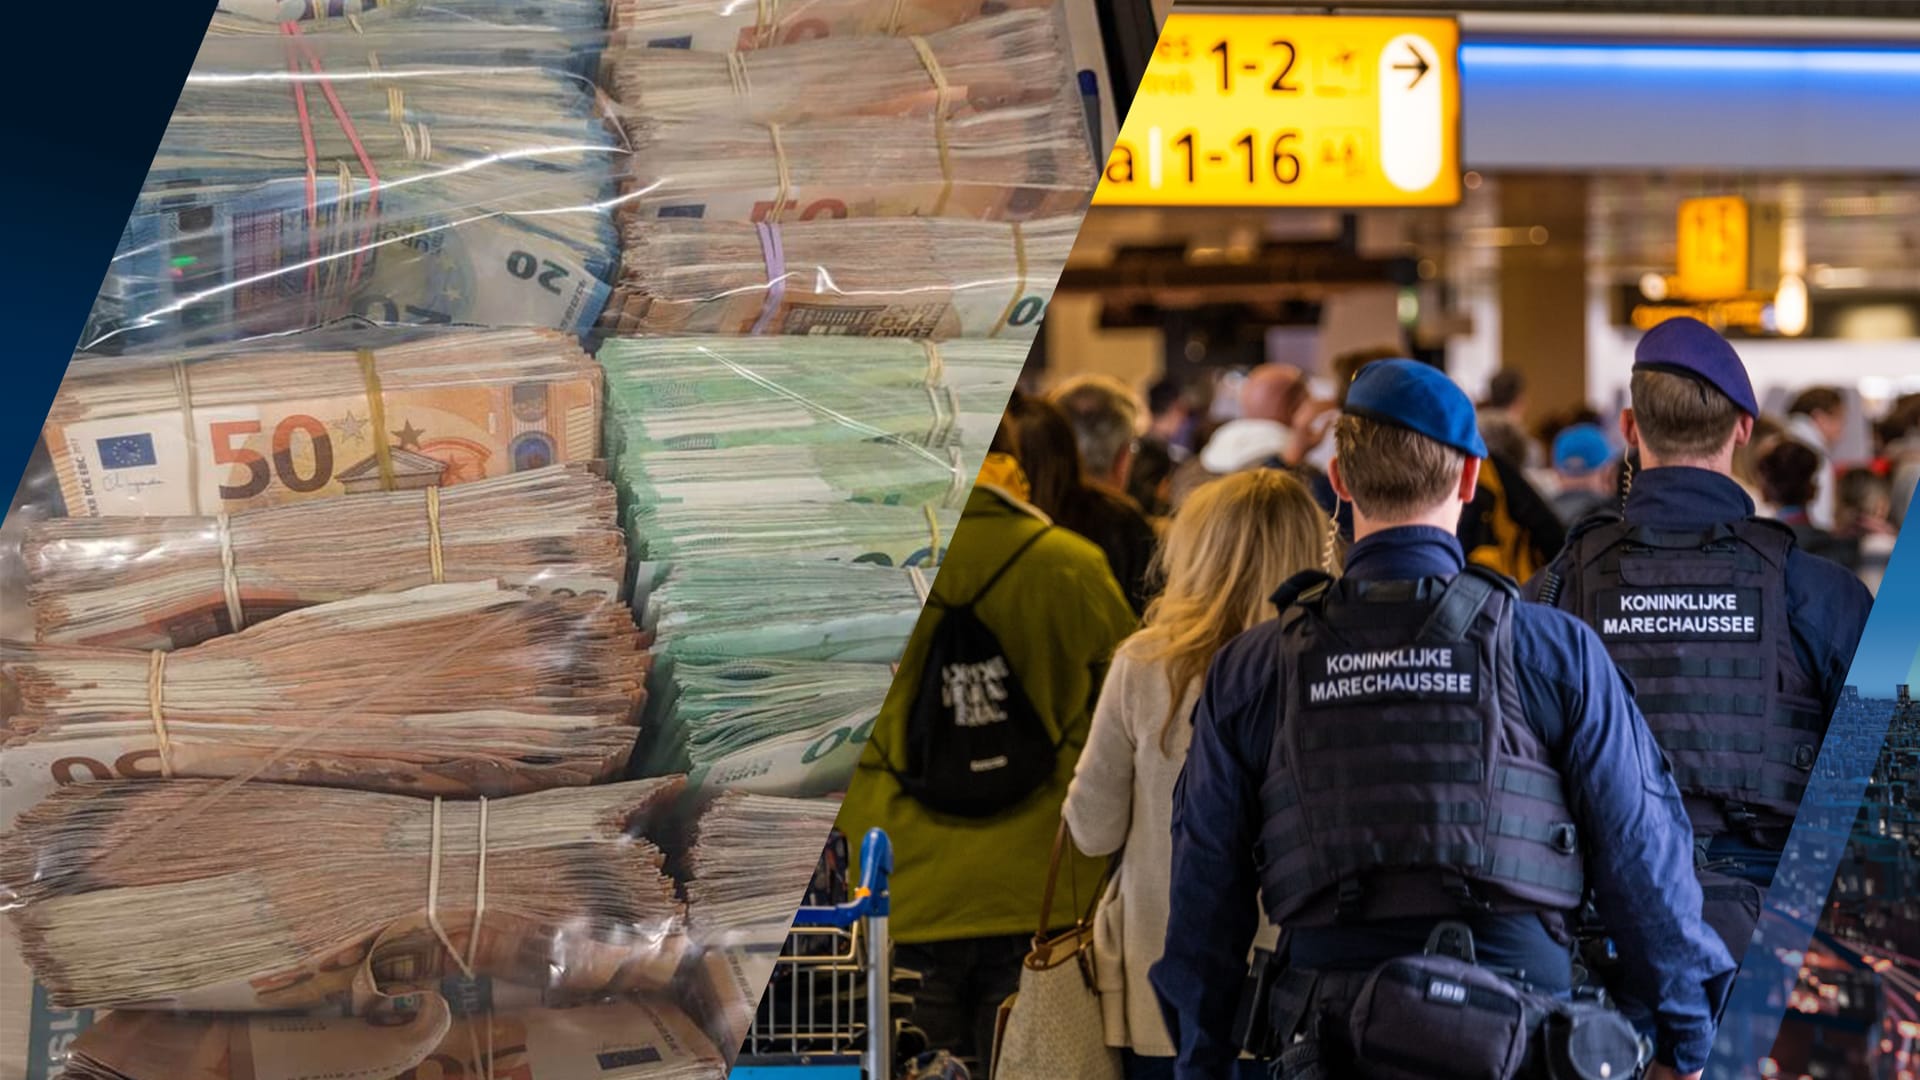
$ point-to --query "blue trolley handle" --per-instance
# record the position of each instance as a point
(870, 900)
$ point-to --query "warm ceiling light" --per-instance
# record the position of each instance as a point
(1790, 306)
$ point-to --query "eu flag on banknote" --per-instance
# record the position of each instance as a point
(126, 451)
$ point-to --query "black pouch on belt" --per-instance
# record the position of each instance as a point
(1582, 1041)
(1428, 1017)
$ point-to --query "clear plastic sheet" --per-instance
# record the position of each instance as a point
(298, 418)
(413, 178)
(720, 25)
(1004, 60)
(391, 689)
(932, 278)
(1009, 164)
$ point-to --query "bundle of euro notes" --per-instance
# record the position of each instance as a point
(719, 25)
(306, 178)
(168, 582)
(750, 863)
(799, 611)
(703, 392)
(459, 689)
(636, 1037)
(195, 894)
(670, 534)
(773, 727)
(1010, 164)
(383, 16)
(1019, 58)
(263, 424)
(933, 278)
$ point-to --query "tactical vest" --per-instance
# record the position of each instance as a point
(1405, 780)
(1698, 621)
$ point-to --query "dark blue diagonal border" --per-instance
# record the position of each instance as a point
(1798, 896)
(88, 87)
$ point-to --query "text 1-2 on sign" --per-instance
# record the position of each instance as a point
(1293, 110)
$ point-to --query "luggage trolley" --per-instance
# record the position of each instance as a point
(825, 1014)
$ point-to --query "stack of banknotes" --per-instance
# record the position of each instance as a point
(420, 178)
(166, 582)
(412, 693)
(211, 431)
(828, 472)
(841, 227)
(631, 1037)
(454, 690)
(721, 25)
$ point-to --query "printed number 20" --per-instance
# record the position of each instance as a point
(524, 266)
(1030, 309)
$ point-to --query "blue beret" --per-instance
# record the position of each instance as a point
(1687, 346)
(1411, 395)
(1581, 448)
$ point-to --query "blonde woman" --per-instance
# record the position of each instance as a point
(1232, 543)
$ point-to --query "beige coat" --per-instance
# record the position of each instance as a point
(1122, 794)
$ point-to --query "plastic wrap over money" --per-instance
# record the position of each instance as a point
(720, 25)
(930, 278)
(412, 177)
(322, 692)
(786, 499)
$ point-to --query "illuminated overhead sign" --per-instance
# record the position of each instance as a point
(1727, 248)
(1293, 110)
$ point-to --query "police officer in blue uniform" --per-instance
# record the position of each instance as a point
(1737, 642)
(1412, 746)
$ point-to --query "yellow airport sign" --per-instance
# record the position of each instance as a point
(1293, 110)
(1727, 248)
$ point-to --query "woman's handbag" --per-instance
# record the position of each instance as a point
(1051, 1029)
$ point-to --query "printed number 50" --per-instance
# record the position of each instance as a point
(259, 474)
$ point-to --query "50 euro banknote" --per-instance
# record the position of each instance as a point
(178, 434)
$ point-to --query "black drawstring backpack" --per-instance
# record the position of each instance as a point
(975, 745)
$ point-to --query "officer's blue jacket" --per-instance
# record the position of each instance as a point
(1826, 605)
(1619, 788)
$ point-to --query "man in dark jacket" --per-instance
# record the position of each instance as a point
(1411, 745)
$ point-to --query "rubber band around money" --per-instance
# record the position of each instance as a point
(1020, 284)
(766, 25)
(183, 389)
(933, 530)
(941, 92)
(377, 406)
(345, 120)
(785, 175)
(229, 582)
(936, 367)
(737, 74)
(434, 556)
(299, 86)
(896, 18)
(957, 474)
(419, 140)
(775, 256)
(156, 709)
(921, 588)
(480, 892)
